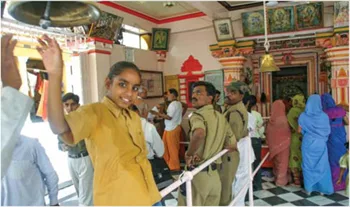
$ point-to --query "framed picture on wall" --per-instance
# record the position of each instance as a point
(216, 77)
(172, 81)
(223, 29)
(160, 39)
(253, 23)
(309, 16)
(281, 19)
(153, 81)
(341, 14)
(107, 27)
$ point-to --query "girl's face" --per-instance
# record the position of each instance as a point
(123, 89)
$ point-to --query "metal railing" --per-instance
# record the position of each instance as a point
(187, 178)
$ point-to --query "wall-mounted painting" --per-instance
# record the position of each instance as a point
(309, 16)
(160, 39)
(216, 77)
(153, 81)
(281, 19)
(172, 81)
(107, 27)
(341, 14)
(253, 23)
(223, 29)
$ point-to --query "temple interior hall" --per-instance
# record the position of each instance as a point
(269, 52)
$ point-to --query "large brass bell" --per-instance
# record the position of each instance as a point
(268, 64)
(54, 13)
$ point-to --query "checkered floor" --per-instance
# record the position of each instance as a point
(272, 195)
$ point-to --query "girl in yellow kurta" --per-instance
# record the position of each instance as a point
(113, 134)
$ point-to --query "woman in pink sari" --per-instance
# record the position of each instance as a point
(278, 137)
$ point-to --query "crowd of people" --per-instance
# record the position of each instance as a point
(113, 145)
(307, 141)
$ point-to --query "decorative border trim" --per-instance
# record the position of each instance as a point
(97, 39)
(99, 52)
(149, 18)
(244, 6)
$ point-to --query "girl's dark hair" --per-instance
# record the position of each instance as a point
(252, 102)
(120, 66)
(347, 145)
(263, 97)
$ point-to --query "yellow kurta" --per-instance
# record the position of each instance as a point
(116, 144)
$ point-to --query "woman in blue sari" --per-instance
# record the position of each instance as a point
(315, 128)
(337, 138)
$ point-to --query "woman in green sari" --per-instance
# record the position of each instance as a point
(298, 102)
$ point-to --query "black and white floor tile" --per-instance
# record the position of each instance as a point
(271, 195)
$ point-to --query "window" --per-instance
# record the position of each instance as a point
(133, 37)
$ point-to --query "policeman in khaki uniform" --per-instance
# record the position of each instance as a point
(210, 133)
(237, 116)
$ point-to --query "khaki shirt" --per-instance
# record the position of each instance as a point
(117, 147)
(218, 132)
(238, 121)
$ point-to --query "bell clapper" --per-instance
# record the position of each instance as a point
(45, 21)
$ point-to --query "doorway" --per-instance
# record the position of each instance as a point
(289, 81)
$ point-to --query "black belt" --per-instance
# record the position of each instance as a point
(75, 156)
(213, 166)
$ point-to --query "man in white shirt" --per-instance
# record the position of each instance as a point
(154, 143)
(172, 133)
(29, 174)
(15, 106)
(155, 146)
(142, 106)
(245, 151)
(255, 122)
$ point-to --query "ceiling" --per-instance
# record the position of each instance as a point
(236, 5)
(157, 10)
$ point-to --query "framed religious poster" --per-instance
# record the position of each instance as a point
(341, 14)
(107, 27)
(172, 81)
(160, 39)
(309, 16)
(253, 23)
(223, 29)
(153, 81)
(281, 19)
(216, 77)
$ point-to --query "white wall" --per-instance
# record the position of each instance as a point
(195, 43)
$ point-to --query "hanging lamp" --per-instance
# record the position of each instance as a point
(267, 62)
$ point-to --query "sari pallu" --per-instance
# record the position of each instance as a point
(337, 138)
(278, 139)
(315, 130)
